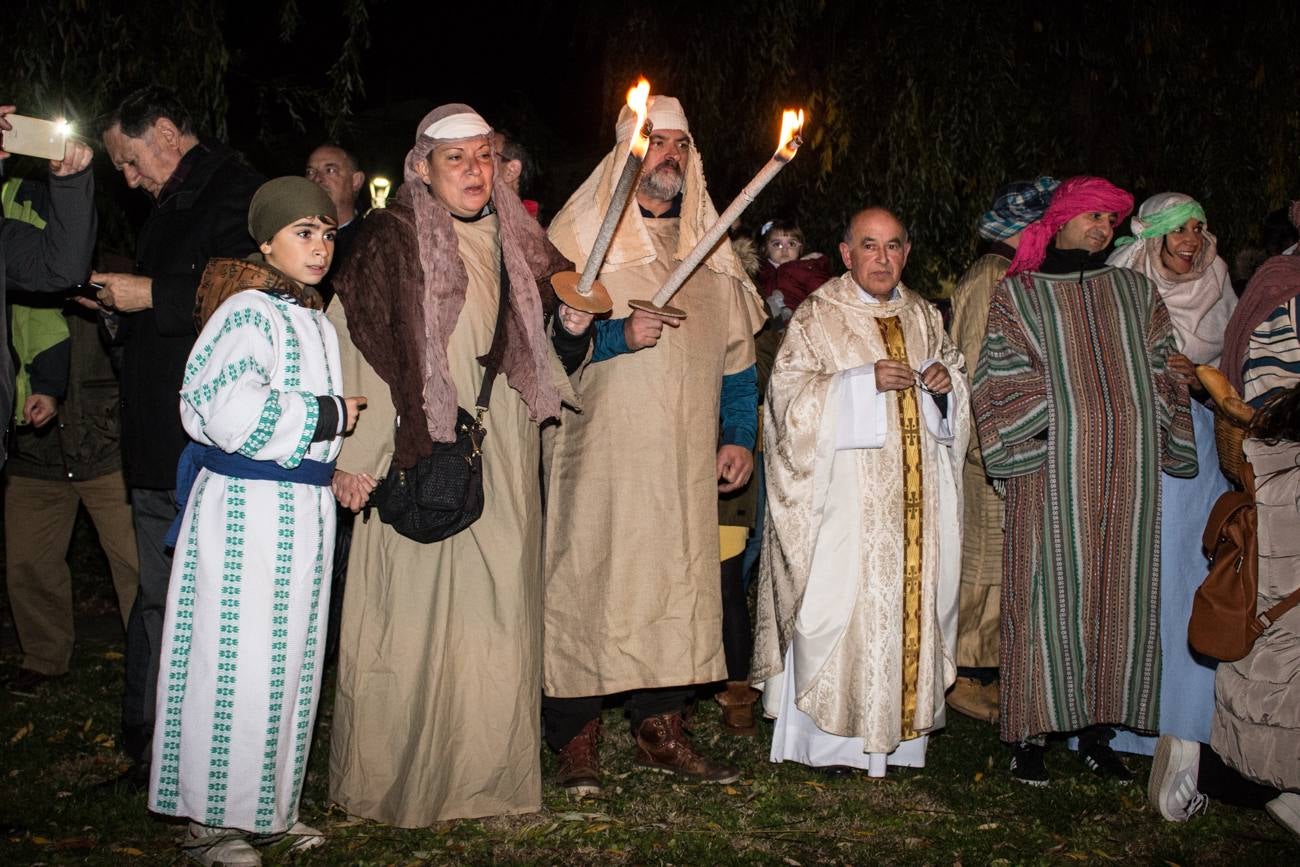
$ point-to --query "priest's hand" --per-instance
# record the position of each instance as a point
(936, 379)
(352, 489)
(893, 375)
(642, 329)
(735, 464)
(1182, 368)
(574, 321)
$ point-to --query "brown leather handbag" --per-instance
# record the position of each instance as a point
(1224, 624)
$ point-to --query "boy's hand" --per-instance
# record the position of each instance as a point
(353, 406)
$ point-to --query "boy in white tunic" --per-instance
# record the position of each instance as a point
(244, 629)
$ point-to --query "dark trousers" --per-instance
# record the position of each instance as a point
(152, 511)
(563, 718)
(1223, 783)
(737, 634)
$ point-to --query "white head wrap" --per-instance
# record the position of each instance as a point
(1201, 301)
(665, 112)
(466, 124)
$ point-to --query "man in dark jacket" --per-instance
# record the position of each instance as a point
(201, 191)
(54, 259)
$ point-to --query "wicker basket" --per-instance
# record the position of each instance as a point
(1229, 434)
(1231, 421)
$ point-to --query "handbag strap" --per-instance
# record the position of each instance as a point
(495, 350)
(1269, 617)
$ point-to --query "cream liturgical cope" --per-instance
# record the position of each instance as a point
(633, 599)
(833, 650)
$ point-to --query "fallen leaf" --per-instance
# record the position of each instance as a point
(988, 826)
(21, 733)
(597, 828)
(979, 775)
(731, 790)
(112, 655)
(816, 785)
(128, 850)
(77, 843)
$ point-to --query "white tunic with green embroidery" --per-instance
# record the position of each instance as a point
(249, 596)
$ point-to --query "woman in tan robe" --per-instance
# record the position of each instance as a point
(439, 653)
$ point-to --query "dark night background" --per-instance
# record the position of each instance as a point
(926, 108)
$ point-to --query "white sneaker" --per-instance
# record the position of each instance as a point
(304, 837)
(1171, 789)
(1286, 809)
(219, 847)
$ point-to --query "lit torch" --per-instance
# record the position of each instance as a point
(585, 293)
(791, 138)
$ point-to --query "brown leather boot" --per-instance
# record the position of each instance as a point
(662, 744)
(975, 699)
(737, 702)
(579, 772)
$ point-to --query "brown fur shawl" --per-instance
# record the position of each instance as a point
(382, 288)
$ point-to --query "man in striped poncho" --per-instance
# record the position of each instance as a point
(1078, 412)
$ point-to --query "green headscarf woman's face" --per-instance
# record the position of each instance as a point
(1178, 248)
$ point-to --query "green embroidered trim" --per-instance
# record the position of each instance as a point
(291, 358)
(228, 376)
(223, 704)
(236, 319)
(271, 412)
(167, 795)
(265, 819)
(308, 430)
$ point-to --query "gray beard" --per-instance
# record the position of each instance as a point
(663, 186)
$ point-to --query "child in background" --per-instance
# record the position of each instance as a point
(786, 276)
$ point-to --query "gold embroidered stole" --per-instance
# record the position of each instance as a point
(909, 418)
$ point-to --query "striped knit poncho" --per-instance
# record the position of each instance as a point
(1077, 411)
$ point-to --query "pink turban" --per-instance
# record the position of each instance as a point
(1075, 196)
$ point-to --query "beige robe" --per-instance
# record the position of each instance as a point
(436, 714)
(982, 509)
(633, 598)
(830, 579)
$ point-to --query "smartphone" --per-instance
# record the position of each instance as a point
(87, 290)
(34, 137)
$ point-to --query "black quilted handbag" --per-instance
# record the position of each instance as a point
(443, 493)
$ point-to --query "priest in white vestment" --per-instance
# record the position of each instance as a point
(867, 421)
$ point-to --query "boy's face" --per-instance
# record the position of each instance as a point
(781, 247)
(302, 250)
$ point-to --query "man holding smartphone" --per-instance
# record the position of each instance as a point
(57, 257)
(201, 191)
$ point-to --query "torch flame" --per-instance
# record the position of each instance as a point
(637, 100)
(791, 126)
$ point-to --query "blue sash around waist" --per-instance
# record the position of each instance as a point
(195, 457)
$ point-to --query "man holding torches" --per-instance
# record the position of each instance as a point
(632, 600)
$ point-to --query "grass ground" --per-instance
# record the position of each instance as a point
(961, 809)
